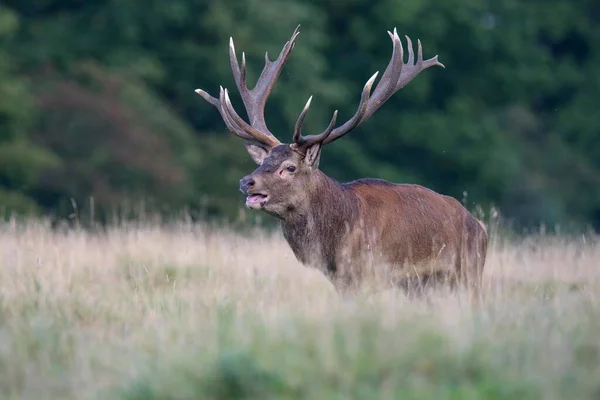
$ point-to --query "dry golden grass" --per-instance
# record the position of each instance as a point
(182, 312)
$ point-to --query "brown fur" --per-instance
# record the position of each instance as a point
(351, 230)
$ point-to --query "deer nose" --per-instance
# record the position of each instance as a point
(246, 183)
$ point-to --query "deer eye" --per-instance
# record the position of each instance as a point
(291, 168)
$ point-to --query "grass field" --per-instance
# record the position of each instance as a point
(182, 312)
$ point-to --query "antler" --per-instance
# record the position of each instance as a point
(254, 100)
(397, 75)
(307, 141)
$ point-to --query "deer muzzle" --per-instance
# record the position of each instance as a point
(255, 199)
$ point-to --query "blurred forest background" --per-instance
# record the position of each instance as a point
(97, 101)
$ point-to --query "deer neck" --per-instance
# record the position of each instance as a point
(315, 231)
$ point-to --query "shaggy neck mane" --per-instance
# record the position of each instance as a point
(315, 230)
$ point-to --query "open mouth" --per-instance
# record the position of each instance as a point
(255, 200)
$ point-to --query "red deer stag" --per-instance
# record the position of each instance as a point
(342, 228)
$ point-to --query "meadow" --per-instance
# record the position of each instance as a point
(187, 311)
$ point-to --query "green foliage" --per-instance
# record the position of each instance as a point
(100, 96)
(21, 160)
(117, 143)
(356, 366)
(13, 202)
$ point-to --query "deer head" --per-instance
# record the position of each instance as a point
(288, 172)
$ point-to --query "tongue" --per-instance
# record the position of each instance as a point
(255, 198)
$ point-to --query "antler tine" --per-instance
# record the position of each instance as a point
(358, 116)
(231, 126)
(254, 100)
(397, 75)
(298, 127)
(262, 137)
(413, 69)
(406, 72)
(385, 87)
(306, 141)
(325, 136)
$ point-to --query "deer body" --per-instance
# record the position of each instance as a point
(369, 223)
(351, 230)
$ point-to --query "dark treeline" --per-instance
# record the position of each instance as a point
(97, 101)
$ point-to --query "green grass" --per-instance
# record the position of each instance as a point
(152, 312)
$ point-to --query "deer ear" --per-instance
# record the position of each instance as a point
(313, 154)
(257, 152)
